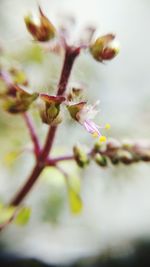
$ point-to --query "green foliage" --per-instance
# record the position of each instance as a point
(34, 54)
(6, 212)
(75, 201)
(23, 216)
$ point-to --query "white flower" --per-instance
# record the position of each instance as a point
(85, 114)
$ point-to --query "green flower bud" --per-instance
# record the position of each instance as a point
(125, 157)
(114, 160)
(80, 156)
(50, 111)
(104, 48)
(100, 160)
(20, 101)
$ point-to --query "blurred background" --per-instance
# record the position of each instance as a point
(114, 226)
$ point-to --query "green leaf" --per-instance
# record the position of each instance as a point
(6, 213)
(23, 216)
(11, 157)
(34, 53)
(75, 201)
(52, 176)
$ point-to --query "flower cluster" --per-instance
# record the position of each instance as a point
(17, 98)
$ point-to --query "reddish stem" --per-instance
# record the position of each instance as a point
(53, 161)
(32, 132)
(28, 185)
(70, 55)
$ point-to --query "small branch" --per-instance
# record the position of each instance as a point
(70, 55)
(33, 134)
(28, 185)
(126, 152)
(11, 219)
(53, 161)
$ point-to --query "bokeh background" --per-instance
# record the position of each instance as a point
(116, 214)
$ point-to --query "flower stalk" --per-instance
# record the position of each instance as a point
(70, 56)
(33, 134)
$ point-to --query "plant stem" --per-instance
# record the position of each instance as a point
(53, 161)
(28, 185)
(32, 132)
(70, 56)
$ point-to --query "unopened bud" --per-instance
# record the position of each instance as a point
(114, 160)
(80, 156)
(43, 32)
(99, 147)
(75, 93)
(105, 48)
(113, 145)
(20, 101)
(144, 155)
(127, 144)
(50, 112)
(100, 160)
(125, 157)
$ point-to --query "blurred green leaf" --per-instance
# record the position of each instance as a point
(23, 216)
(6, 213)
(10, 157)
(75, 201)
(53, 176)
(34, 53)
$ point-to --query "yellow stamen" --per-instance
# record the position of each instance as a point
(95, 134)
(102, 139)
(107, 126)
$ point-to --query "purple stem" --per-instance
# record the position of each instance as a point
(33, 134)
(70, 56)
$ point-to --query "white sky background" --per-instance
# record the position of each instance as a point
(117, 205)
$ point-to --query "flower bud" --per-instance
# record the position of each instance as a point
(20, 101)
(51, 110)
(75, 108)
(43, 32)
(98, 146)
(104, 48)
(114, 160)
(75, 94)
(100, 160)
(80, 156)
(113, 145)
(143, 155)
(125, 157)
